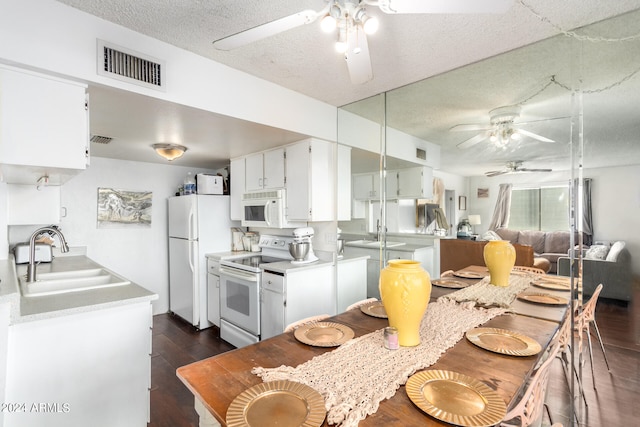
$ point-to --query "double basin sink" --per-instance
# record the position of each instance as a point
(69, 277)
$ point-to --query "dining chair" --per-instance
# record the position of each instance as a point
(583, 321)
(294, 325)
(534, 270)
(361, 303)
(529, 408)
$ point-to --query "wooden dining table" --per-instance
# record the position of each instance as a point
(217, 381)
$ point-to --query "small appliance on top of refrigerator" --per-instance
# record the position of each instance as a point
(198, 225)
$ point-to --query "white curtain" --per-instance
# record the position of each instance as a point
(500, 217)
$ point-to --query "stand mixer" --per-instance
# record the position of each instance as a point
(302, 238)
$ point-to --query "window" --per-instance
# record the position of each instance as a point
(544, 208)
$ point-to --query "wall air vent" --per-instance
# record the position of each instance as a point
(123, 64)
(101, 139)
(421, 154)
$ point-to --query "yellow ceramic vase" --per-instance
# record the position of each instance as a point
(405, 288)
(499, 256)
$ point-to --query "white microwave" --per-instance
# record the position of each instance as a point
(266, 209)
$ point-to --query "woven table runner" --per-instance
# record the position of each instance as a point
(488, 295)
(358, 375)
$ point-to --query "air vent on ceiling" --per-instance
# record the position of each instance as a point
(126, 65)
(101, 139)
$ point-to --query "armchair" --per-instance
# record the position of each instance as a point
(614, 272)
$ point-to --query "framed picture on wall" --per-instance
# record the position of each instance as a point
(462, 203)
(483, 193)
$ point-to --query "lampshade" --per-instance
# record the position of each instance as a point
(474, 219)
(169, 151)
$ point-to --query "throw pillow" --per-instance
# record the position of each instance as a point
(597, 252)
(615, 250)
(491, 235)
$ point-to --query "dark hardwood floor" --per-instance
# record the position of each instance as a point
(176, 343)
(614, 403)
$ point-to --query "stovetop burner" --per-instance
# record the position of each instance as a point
(255, 260)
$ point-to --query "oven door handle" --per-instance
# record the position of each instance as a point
(241, 275)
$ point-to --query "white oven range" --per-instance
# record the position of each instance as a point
(240, 278)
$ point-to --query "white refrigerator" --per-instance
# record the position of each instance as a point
(198, 225)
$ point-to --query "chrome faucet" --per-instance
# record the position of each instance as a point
(31, 268)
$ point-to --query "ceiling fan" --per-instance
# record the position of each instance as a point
(350, 20)
(501, 128)
(514, 166)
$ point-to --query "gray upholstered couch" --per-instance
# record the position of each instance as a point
(550, 245)
(612, 268)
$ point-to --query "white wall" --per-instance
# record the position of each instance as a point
(139, 254)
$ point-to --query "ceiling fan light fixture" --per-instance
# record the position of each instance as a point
(370, 25)
(328, 24)
(169, 151)
(341, 44)
(515, 135)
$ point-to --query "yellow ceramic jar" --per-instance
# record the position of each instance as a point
(405, 288)
(499, 256)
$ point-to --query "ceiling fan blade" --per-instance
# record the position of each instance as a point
(471, 126)
(533, 170)
(474, 140)
(542, 120)
(444, 6)
(534, 135)
(357, 57)
(496, 173)
(266, 30)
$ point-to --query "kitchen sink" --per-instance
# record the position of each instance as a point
(374, 243)
(59, 282)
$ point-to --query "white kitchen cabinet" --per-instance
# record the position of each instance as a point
(343, 172)
(43, 127)
(366, 186)
(5, 313)
(237, 187)
(265, 170)
(415, 183)
(423, 254)
(294, 295)
(91, 368)
(27, 205)
(213, 291)
(310, 183)
(351, 285)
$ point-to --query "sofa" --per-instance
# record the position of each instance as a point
(456, 254)
(549, 245)
(610, 266)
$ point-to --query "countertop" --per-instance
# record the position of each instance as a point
(284, 265)
(407, 247)
(26, 309)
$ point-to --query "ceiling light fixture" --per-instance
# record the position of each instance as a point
(170, 151)
(345, 16)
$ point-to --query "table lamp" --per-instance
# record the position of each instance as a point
(473, 221)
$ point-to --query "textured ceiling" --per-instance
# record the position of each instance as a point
(441, 70)
(407, 48)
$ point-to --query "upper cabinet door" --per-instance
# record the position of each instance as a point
(274, 170)
(254, 172)
(44, 121)
(311, 181)
(265, 170)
